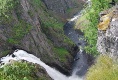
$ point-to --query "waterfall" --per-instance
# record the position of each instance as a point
(23, 55)
(81, 64)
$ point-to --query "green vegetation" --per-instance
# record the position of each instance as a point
(38, 3)
(5, 52)
(45, 16)
(62, 53)
(104, 69)
(18, 32)
(18, 71)
(5, 10)
(19, 29)
(43, 78)
(91, 18)
(50, 24)
(67, 40)
(5, 6)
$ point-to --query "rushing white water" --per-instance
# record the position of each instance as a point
(23, 55)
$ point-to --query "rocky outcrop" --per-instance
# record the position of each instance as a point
(107, 42)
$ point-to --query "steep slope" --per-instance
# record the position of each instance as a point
(29, 25)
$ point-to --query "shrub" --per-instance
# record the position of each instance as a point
(18, 71)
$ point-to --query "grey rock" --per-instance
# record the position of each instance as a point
(107, 42)
(61, 7)
(35, 41)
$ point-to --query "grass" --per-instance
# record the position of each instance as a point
(61, 53)
(104, 69)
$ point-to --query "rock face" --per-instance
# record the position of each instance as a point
(34, 41)
(63, 7)
(23, 29)
(107, 42)
(60, 6)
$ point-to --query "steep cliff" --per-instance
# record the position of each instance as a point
(29, 25)
(107, 42)
(23, 31)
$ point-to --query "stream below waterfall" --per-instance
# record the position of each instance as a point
(82, 60)
(80, 64)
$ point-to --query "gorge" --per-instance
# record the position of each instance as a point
(42, 42)
(80, 65)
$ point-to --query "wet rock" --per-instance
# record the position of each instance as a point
(13, 55)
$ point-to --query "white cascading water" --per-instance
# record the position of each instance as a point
(23, 55)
